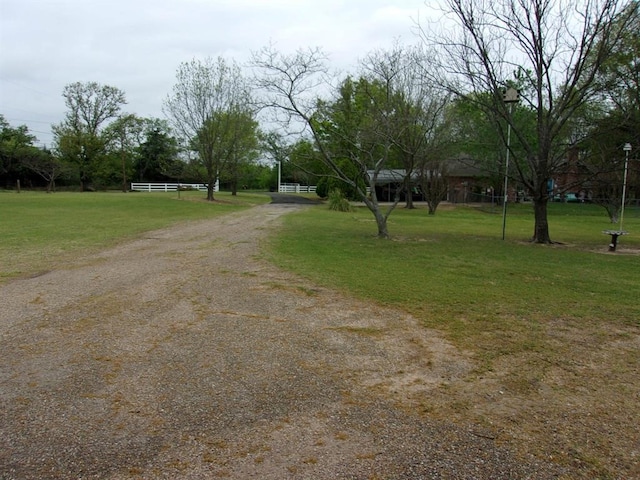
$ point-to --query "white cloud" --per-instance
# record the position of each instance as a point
(137, 45)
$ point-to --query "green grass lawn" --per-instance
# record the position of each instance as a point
(38, 229)
(455, 265)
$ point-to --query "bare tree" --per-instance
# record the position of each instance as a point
(417, 130)
(432, 179)
(47, 166)
(205, 96)
(352, 129)
(551, 50)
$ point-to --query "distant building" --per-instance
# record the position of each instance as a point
(467, 183)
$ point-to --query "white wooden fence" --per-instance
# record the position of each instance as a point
(168, 187)
(296, 188)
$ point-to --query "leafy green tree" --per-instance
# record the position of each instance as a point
(206, 96)
(477, 139)
(256, 176)
(290, 87)
(419, 133)
(602, 160)
(123, 137)
(358, 132)
(157, 156)
(330, 183)
(477, 135)
(79, 138)
(243, 145)
(16, 147)
(303, 164)
(614, 121)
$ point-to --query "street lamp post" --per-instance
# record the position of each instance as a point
(510, 96)
(627, 149)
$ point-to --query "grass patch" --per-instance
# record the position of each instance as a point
(38, 230)
(454, 272)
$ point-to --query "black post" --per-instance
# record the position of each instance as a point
(614, 242)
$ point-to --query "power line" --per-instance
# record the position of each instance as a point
(24, 87)
(30, 121)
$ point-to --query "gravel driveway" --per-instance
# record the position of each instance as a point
(182, 354)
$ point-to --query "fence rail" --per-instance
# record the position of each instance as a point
(167, 187)
(296, 188)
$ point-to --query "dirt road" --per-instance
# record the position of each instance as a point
(182, 354)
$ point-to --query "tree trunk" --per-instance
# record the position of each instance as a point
(409, 204)
(381, 221)
(124, 172)
(212, 177)
(541, 228)
(408, 192)
(374, 207)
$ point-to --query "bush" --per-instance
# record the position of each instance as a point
(326, 185)
(338, 202)
(322, 187)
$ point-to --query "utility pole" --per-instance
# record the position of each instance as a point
(510, 96)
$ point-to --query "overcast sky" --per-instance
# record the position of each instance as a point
(137, 45)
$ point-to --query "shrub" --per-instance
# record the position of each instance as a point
(326, 185)
(338, 202)
(322, 187)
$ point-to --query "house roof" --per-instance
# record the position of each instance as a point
(393, 175)
(464, 166)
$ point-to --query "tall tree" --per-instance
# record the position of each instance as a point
(243, 144)
(555, 47)
(277, 150)
(79, 137)
(303, 163)
(205, 94)
(124, 136)
(356, 128)
(418, 119)
(603, 161)
(618, 123)
(157, 155)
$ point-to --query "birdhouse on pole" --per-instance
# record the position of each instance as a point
(510, 95)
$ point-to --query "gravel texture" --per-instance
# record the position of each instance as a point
(182, 354)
